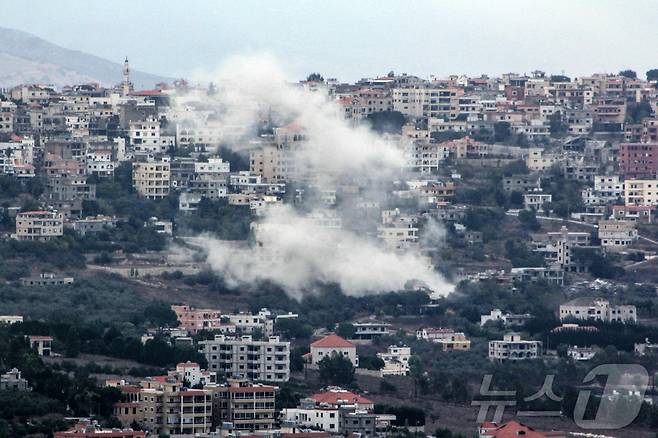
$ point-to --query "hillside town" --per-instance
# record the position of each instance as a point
(146, 288)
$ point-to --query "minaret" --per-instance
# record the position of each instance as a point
(126, 86)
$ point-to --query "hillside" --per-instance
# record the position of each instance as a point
(25, 58)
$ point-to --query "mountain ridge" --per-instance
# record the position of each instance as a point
(27, 58)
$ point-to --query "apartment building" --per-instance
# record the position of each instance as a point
(636, 213)
(248, 407)
(333, 344)
(536, 200)
(641, 192)
(12, 381)
(513, 348)
(540, 161)
(169, 408)
(192, 319)
(617, 233)
(151, 178)
(597, 310)
(521, 183)
(638, 160)
(39, 225)
(146, 136)
(244, 357)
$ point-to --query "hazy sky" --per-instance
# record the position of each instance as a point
(354, 38)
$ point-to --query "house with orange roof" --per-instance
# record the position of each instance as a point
(514, 429)
(333, 344)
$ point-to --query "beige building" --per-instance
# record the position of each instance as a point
(538, 160)
(39, 225)
(152, 178)
(333, 344)
(641, 192)
(512, 347)
(614, 233)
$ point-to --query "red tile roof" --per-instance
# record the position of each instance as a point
(344, 397)
(332, 341)
(514, 429)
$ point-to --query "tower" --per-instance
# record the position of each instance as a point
(126, 85)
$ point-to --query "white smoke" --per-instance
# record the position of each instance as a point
(292, 250)
(295, 253)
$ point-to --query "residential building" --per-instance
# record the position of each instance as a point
(91, 429)
(267, 360)
(333, 344)
(638, 160)
(12, 381)
(508, 319)
(370, 329)
(521, 183)
(39, 225)
(42, 344)
(597, 310)
(446, 338)
(641, 192)
(580, 353)
(192, 319)
(642, 214)
(10, 319)
(513, 348)
(248, 407)
(515, 429)
(151, 178)
(396, 361)
(535, 200)
(617, 234)
(46, 279)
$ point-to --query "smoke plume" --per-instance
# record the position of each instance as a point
(292, 249)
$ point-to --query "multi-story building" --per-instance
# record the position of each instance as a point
(617, 233)
(638, 160)
(248, 407)
(333, 344)
(12, 381)
(145, 136)
(396, 361)
(513, 348)
(192, 319)
(637, 213)
(521, 183)
(536, 200)
(42, 344)
(370, 329)
(641, 192)
(558, 248)
(244, 357)
(597, 310)
(151, 178)
(446, 338)
(39, 225)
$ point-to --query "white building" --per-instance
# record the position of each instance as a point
(512, 347)
(535, 200)
(597, 310)
(146, 136)
(396, 361)
(581, 353)
(194, 375)
(267, 360)
(333, 344)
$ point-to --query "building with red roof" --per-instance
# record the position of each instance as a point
(340, 397)
(514, 429)
(87, 429)
(333, 344)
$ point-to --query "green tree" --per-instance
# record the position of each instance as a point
(502, 131)
(528, 219)
(557, 127)
(652, 75)
(346, 330)
(315, 77)
(630, 74)
(336, 370)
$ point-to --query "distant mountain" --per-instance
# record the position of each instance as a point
(25, 58)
